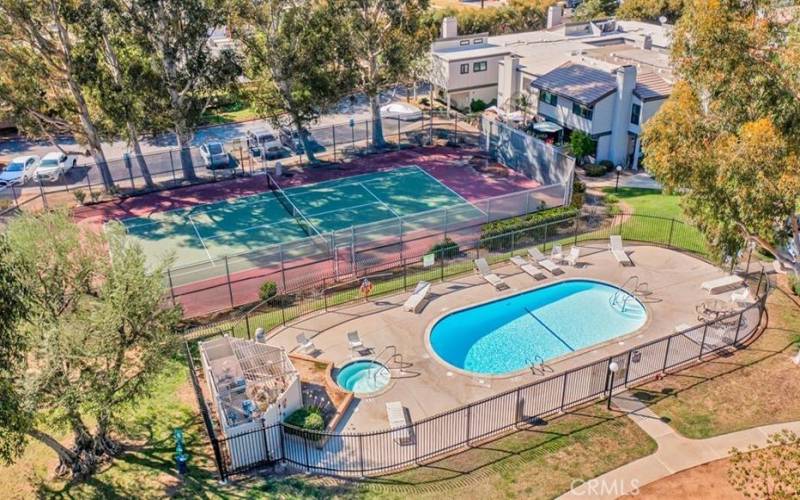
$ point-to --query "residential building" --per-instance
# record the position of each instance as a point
(604, 77)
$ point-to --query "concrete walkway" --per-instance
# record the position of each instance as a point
(675, 452)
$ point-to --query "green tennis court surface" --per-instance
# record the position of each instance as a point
(211, 231)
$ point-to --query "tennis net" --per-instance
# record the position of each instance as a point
(290, 207)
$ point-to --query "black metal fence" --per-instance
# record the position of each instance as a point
(84, 184)
(359, 454)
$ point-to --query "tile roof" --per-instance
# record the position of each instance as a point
(581, 83)
(650, 85)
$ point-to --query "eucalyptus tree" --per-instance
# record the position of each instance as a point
(175, 35)
(295, 59)
(382, 39)
(40, 83)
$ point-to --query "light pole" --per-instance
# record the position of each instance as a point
(619, 171)
(613, 367)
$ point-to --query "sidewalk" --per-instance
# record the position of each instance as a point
(675, 452)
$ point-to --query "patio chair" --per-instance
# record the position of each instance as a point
(527, 267)
(722, 284)
(557, 254)
(742, 296)
(306, 345)
(398, 419)
(543, 261)
(488, 275)
(355, 341)
(416, 302)
(618, 250)
(574, 255)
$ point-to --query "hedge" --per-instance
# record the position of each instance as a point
(308, 418)
(506, 226)
(446, 249)
(594, 170)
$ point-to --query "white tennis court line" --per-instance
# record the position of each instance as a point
(343, 209)
(379, 200)
(197, 232)
(447, 188)
(344, 181)
(251, 228)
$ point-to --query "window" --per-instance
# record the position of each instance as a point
(478, 40)
(548, 97)
(479, 66)
(463, 42)
(582, 111)
(636, 114)
(465, 68)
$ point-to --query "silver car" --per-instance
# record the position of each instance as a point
(19, 171)
(214, 155)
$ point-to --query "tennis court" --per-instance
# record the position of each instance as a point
(209, 232)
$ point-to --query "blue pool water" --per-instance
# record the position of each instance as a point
(363, 376)
(509, 334)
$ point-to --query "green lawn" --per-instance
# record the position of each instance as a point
(755, 386)
(233, 113)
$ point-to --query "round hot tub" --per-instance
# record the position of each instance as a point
(363, 376)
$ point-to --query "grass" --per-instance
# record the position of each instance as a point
(146, 469)
(541, 462)
(231, 113)
(752, 387)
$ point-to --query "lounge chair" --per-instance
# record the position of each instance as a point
(305, 344)
(543, 261)
(355, 341)
(742, 296)
(417, 300)
(527, 267)
(618, 251)
(488, 275)
(574, 255)
(398, 420)
(557, 254)
(722, 284)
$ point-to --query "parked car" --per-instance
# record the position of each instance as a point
(19, 171)
(291, 139)
(401, 111)
(260, 141)
(54, 165)
(215, 156)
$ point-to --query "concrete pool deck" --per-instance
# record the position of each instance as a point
(426, 386)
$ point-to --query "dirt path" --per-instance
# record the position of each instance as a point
(706, 482)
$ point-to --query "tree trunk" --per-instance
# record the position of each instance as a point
(185, 145)
(133, 139)
(312, 158)
(67, 459)
(104, 444)
(377, 125)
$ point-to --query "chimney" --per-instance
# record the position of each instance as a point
(554, 13)
(626, 82)
(647, 42)
(449, 27)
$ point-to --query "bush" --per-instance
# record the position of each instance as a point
(505, 226)
(608, 164)
(577, 200)
(445, 249)
(80, 195)
(425, 101)
(594, 170)
(477, 105)
(268, 290)
(578, 187)
(308, 418)
(794, 284)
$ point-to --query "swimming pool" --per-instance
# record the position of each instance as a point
(363, 376)
(510, 334)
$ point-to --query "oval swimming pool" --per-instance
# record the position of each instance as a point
(509, 334)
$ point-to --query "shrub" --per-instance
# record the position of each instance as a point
(794, 284)
(577, 200)
(445, 249)
(477, 105)
(425, 101)
(594, 170)
(5, 203)
(308, 418)
(581, 145)
(80, 195)
(578, 187)
(268, 290)
(496, 235)
(608, 164)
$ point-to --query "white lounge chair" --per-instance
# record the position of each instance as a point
(618, 250)
(557, 254)
(742, 296)
(398, 420)
(722, 284)
(574, 255)
(355, 341)
(543, 261)
(417, 300)
(527, 267)
(305, 344)
(488, 275)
